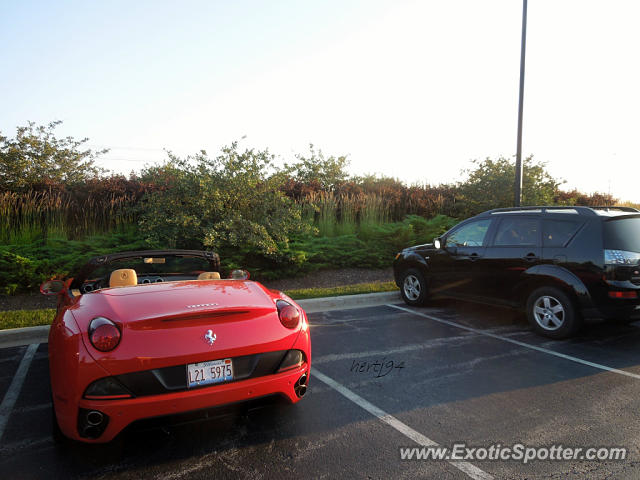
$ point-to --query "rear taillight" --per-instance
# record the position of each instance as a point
(288, 314)
(104, 334)
(624, 294)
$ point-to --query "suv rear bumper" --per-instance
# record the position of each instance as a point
(610, 312)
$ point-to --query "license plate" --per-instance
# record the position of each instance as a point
(205, 373)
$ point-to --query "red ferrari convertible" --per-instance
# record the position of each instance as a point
(154, 333)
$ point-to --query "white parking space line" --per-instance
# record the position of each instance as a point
(13, 392)
(432, 343)
(466, 467)
(521, 344)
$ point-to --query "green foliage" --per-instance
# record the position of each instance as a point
(23, 267)
(323, 173)
(29, 216)
(302, 293)
(491, 185)
(13, 268)
(56, 211)
(36, 155)
(343, 214)
(26, 318)
(373, 246)
(226, 202)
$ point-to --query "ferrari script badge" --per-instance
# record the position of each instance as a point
(210, 337)
(203, 305)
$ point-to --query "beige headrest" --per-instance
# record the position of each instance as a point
(209, 276)
(123, 277)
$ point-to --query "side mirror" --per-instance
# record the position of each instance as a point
(437, 243)
(239, 274)
(52, 287)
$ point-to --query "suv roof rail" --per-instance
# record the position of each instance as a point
(577, 209)
(622, 209)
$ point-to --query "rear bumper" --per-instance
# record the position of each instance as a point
(610, 312)
(121, 413)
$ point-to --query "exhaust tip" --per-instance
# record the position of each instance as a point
(95, 418)
(301, 386)
(91, 423)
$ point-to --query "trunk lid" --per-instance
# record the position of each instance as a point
(168, 324)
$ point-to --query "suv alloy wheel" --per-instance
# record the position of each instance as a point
(414, 287)
(552, 313)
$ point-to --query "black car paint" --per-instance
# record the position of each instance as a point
(507, 275)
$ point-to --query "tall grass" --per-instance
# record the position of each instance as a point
(326, 207)
(336, 214)
(375, 211)
(26, 217)
(347, 219)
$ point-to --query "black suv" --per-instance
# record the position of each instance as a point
(561, 264)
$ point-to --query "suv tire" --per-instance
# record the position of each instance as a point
(413, 287)
(552, 313)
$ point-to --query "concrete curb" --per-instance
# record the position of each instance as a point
(14, 337)
(345, 302)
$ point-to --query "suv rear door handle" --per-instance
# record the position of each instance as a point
(530, 257)
(474, 256)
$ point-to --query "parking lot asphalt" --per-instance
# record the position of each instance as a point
(383, 378)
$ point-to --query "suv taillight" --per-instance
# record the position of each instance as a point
(288, 314)
(623, 294)
(104, 334)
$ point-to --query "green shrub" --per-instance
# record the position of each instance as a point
(24, 267)
(372, 247)
(16, 272)
(227, 202)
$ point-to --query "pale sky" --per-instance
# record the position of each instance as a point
(409, 89)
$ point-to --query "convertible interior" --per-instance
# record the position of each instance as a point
(126, 277)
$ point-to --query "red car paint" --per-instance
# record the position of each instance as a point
(163, 325)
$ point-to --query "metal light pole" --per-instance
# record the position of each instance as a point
(518, 183)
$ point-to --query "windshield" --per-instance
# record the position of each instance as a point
(622, 234)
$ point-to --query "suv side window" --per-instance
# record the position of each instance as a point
(516, 232)
(557, 233)
(472, 234)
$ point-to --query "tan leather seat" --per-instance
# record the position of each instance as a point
(209, 276)
(123, 277)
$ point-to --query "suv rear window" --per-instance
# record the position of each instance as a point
(622, 234)
(557, 233)
(517, 232)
